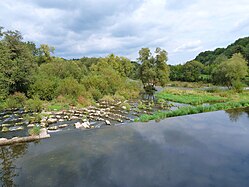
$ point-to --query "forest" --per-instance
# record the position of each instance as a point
(33, 77)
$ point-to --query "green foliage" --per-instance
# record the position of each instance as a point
(154, 70)
(57, 107)
(141, 106)
(127, 106)
(70, 87)
(232, 70)
(34, 105)
(192, 71)
(191, 110)
(189, 98)
(16, 63)
(35, 131)
(237, 86)
(17, 100)
(239, 46)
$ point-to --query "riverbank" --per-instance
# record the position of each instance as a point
(200, 100)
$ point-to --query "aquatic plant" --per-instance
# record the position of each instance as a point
(35, 131)
(192, 110)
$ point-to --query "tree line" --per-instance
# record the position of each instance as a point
(33, 73)
(30, 72)
(223, 66)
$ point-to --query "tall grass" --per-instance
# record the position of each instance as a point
(193, 99)
(191, 110)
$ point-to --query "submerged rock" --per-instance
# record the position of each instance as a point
(63, 126)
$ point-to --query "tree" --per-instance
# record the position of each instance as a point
(154, 70)
(192, 70)
(44, 54)
(231, 71)
(16, 63)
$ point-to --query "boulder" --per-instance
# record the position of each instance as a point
(86, 125)
(107, 122)
(63, 126)
(44, 133)
(78, 125)
(53, 128)
(51, 120)
(31, 125)
(5, 129)
(74, 117)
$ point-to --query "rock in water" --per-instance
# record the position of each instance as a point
(86, 125)
(63, 126)
(44, 133)
(53, 128)
(78, 125)
(107, 122)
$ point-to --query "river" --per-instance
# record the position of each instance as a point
(208, 149)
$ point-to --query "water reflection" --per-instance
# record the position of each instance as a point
(234, 115)
(195, 150)
(8, 155)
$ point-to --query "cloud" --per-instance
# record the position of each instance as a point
(79, 28)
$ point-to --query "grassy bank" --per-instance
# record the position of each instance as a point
(188, 98)
(224, 100)
(192, 110)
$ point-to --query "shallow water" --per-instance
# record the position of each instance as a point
(210, 149)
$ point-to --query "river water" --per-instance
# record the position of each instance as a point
(209, 149)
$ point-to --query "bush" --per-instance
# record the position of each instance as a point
(127, 106)
(84, 101)
(16, 100)
(237, 86)
(34, 105)
(70, 87)
(35, 131)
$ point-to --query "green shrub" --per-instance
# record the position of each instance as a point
(127, 106)
(141, 105)
(35, 131)
(192, 110)
(70, 87)
(16, 100)
(237, 86)
(34, 105)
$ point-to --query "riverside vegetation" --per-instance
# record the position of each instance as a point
(38, 89)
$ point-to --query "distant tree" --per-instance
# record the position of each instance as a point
(44, 54)
(120, 64)
(154, 70)
(192, 70)
(231, 71)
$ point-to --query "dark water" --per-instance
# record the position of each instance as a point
(210, 149)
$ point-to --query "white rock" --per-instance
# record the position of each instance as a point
(78, 125)
(86, 125)
(63, 126)
(30, 125)
(124, 107)
(52, 120)
(107, 122)
(44, 133)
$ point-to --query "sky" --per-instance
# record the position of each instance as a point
(78, 28)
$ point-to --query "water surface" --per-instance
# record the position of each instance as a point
(210, 149)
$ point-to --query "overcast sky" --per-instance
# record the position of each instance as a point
(78, 28)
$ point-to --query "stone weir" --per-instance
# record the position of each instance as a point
(43, 134)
